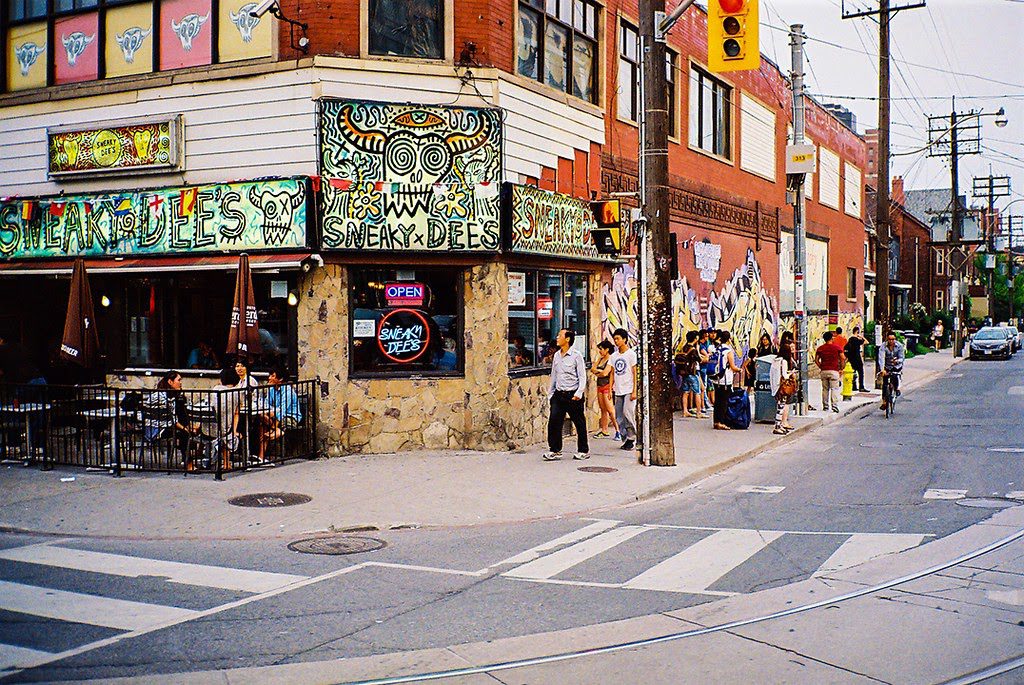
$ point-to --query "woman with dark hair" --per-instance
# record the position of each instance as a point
(783, 384)
(765, 346)
(724, 379)
(178, 423)
(603, 371)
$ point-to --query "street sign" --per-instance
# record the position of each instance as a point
(800, 158)
(956, 258)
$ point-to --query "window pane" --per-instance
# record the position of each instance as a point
(592, 21)
(576, 310)
(626, 90)
(721, 120)
(522, 319)
(420, 334)
(565, 10)
(583, 68)
(578, 19)
(407, 28)
(707, 125)
(144, 305)
(694, 110)
(552, 7)
(528, 56)
(549, 314)
(556, 63)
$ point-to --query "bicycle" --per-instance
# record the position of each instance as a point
(888, 396)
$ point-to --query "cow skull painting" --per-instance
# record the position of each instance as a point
(244, 21)
(188, 28)
(27, 54)
(130, 41)
(75, 45)
(278, 211)
(413, 152)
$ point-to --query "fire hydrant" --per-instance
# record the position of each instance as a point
(848, 382)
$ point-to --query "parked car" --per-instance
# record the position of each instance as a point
(1017, 337)
(991, 342)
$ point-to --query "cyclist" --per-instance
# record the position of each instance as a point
(892, 367)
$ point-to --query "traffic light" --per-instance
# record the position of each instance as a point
(608, 217)
(732, 35)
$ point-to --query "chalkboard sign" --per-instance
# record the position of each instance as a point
(403, 335)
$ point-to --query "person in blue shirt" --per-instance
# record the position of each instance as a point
(202, 356)
(283, 410)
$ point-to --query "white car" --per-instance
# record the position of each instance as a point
(1017, 337)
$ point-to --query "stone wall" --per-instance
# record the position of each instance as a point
(485, 410)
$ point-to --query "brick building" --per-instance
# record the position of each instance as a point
(363, 148)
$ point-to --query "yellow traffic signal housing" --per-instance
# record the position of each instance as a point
(608, 219)
(732, 35)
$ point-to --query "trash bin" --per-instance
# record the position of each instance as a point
(764, 401)
(912, 339)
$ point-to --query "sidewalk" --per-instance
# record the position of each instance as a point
(383, 491)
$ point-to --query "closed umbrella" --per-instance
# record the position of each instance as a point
(81, 342)
(244, 335)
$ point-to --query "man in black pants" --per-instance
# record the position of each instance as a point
(853, 355)
(568, 384)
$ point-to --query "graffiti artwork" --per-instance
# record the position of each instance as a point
(409, 177)
(134, 146)
(815, 277)
(741, 305)
(547, 223)
(226, 217)
(707, 258)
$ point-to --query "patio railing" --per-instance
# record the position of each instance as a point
(188, 431)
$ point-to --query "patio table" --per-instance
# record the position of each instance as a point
(26, 409)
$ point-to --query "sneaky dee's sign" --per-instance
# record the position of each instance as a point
(403, 336)
(542, 222)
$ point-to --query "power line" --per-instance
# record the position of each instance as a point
(918, 97)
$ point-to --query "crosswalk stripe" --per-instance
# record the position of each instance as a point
(940, 493)
(222, 577)
(568, 538)
(863, 547)
(562, 560)
(82, 608)
(12, 656)
(698, 566)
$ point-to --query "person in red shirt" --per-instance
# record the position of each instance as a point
(838, 339)
(830, 360)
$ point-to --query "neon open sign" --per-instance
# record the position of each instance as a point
(403, 335)
(405, 294)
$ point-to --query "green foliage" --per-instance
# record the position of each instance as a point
(922, 349)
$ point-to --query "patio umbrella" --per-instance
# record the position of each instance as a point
(81, 342)
(244, 335)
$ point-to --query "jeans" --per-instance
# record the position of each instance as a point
(831, 381)
(562, 403)
(625, 416)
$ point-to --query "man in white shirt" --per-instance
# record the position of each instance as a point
(623, 361)
(568, 384)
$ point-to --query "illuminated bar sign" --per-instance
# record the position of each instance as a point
(121, 147)
(225, 217)
(405, 294)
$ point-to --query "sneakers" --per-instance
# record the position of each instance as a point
(551, 456)
(581, 455)
(601, 434)
(618, 436)
(835, 410)
(779, 430)
(628, 445)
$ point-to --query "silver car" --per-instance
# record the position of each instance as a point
(990, 342)
(1017, 338)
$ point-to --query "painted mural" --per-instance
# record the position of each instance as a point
(741, 305)
(409, 177)
(129, 40)
(77, 55)
(548, 223)
(215, 218)
(26, 56)
(186, 33)
(816, 275)
(151, 144)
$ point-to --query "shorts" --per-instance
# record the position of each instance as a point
(605, 389)
(691, 383)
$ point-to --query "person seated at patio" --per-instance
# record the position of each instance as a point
(283, 411)
(227, 398)
(202, 356)
(177, 424)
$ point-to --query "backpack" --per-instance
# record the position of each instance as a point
(718, 362)
(686, 362)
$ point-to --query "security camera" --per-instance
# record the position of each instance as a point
(270, 6)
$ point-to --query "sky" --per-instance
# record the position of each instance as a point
(981, 40)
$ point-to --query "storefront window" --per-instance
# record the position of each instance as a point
(406, 321)
(540, 304)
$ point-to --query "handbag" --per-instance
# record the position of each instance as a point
(788, 386)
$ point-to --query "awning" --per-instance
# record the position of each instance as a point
(128, 265)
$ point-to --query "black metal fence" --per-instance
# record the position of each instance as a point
(190, 431)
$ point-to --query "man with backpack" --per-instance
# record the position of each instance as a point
(687, 363)
(723, 365)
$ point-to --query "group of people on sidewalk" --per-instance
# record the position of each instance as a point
(706, 369)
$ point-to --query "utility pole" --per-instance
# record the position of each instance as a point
(657, 439)
(796, 42)
(991, 187)
(884, 12)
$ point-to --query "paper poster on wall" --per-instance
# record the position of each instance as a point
(26, 56)
(815, 273)
(363, 328)
(516, 289)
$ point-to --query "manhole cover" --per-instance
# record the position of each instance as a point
(988, 502)
(270, 499)
(597, 469)
(337, 544)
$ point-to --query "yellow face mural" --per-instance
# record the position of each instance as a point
(26, 56)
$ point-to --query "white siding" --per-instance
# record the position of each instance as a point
(852, 190)
(757, 138)
(828, 177)
(265, 125)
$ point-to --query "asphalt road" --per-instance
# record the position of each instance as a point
(859, 488)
